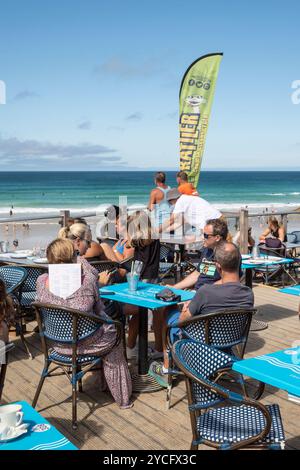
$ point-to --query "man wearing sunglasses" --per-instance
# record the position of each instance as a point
(214, 232)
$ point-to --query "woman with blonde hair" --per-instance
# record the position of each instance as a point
(102, 341)
(81, 236)
(146, 249)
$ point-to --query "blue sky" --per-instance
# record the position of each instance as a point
(94, 85)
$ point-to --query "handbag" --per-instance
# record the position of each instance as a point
(273, 242)
(167, 295)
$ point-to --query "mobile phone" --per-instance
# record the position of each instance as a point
(106, 293)
(112, 271)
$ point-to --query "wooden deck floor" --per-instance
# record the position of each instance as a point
(148, 425)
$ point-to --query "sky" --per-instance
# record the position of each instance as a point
(94, 85)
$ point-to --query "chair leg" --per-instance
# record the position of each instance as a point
(2, 378)
(194, 446)
(80, 388)
(38, 391)
(74, 405)
(170, 383)
(20, 332)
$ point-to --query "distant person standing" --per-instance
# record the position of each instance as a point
(158, 201)
(184, 187)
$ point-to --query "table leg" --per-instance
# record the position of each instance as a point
(248, 280)
(143, 382)
(143, 340)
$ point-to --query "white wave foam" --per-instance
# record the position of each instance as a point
(99, 210)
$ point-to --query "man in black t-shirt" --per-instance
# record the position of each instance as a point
(215, 231)
(225, 293)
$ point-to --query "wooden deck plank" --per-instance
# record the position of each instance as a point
(148, 425)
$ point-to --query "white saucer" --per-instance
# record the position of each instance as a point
(255, 261)
(40, 260)
(17, 432)
(18, 255)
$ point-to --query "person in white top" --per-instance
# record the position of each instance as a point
(191, 210)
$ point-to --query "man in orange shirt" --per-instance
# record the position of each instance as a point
(184, 187)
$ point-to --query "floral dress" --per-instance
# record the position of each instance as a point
(101, 342)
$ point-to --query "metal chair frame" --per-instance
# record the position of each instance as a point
(74, 371)
(4, 352)
(221, 395)
(207, 322)
(15, 291)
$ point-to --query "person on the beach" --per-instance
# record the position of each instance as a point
(7, 312)
(274, 230)
(184, 187)
(103, 341)
(81, 236)
(225, 293)
(190, 212)
(157, 201)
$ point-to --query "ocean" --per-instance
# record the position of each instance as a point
(41, 192)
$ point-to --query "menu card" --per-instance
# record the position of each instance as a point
(64, 279)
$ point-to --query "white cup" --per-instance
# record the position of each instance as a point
(11, 415)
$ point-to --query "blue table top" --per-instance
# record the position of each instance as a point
(280, 369)
(263, 261)
(293, 290)
(144, 296)
(44, 438)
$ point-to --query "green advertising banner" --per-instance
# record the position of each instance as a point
(195, 102)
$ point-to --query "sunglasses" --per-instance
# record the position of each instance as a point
(207, 235)
(88, 242)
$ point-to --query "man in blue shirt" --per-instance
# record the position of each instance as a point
(215, 231)
(227, 292)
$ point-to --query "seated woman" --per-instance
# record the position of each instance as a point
(251, 241)
(80, 234)
(274, 230)
(121, 250)
(7, 312)
(86, 298)
(147, 250)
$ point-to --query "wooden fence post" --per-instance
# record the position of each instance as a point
(244, 231)
(65, 215)
(284, 221)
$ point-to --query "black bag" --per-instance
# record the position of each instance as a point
(167, 295)
(273, 242)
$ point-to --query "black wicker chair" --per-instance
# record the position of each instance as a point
(28, 292)
(219, 417)
(226, 330)
(14, 278)
(4, 352)
(67, 326)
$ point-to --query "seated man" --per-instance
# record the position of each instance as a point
(215, 231)
(227, 292)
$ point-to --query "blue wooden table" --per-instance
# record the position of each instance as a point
(145, 299)
(280, 369)
(263, 261)
(41, 435)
